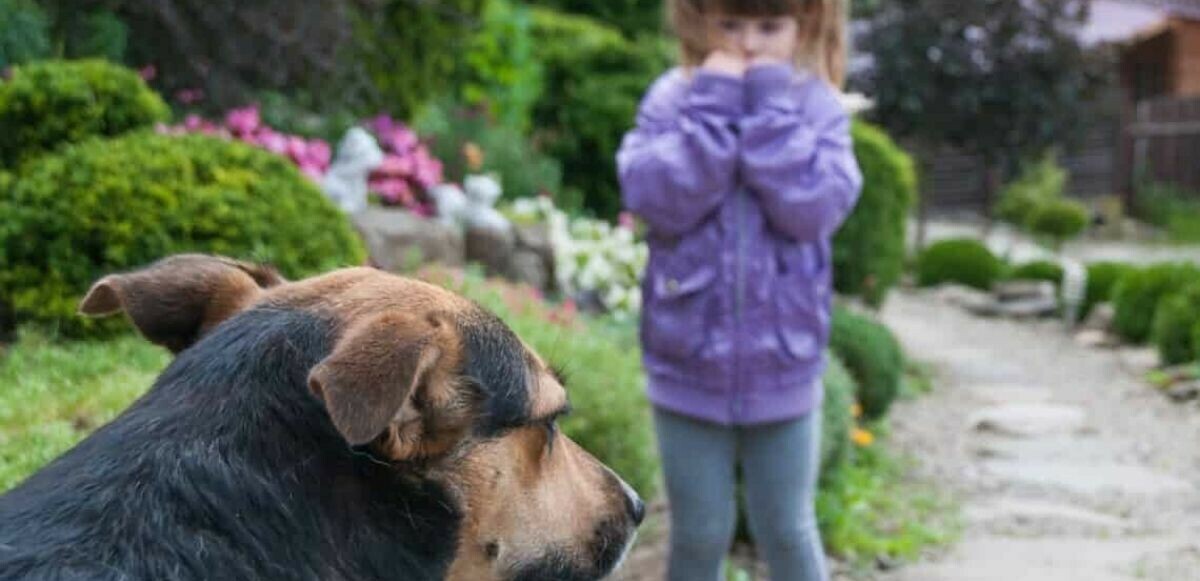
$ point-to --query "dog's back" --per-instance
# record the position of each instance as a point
(226, 469)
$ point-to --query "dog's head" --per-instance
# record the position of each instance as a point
(436, 385)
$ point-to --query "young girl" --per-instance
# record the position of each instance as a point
(742, 167)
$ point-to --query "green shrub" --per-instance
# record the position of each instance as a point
(49, 104)
(631, 17)
(109, 205)
(873, 357)
(93, 34)
(412, 51)
(523, 171)
(1137, 295)
(962, 260)
(594, 79)
(24, 32)
(1102, 277)
(868, 251)
(837, 418)
(1170, 207)
(1038, 184)
(1175, 321)
(502, 73)
(1038, 270)
(1059, 220)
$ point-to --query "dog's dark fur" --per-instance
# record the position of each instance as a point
(227, 469)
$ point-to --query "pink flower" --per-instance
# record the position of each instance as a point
(193, 122)
(314, 173)
(297, 148)
(394, 190)
(271, 141)
(625, 220)
(148, 72)
(395, 165)
(319, 153)
(189, 96)
(243, 121)
(427, 171)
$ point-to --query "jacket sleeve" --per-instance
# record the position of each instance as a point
(797, 155)
(678, 163)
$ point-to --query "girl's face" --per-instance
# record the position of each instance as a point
(772, 37)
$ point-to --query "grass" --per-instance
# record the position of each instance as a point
(872, 509)
(53, 394)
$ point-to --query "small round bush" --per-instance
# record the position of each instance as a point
(873, 357)
(1175, 321)
(1102, 277)
(49, 104)
(1136, 297)
(961, 260)
(837, 419)
(110, 205)
(1038, 270)
(1059, 220)
(868, 250)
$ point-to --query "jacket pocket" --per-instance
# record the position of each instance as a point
(802, 306)
(675, 320)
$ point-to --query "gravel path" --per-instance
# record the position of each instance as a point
(1066, 465)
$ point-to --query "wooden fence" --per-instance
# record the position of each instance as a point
(1162, 144)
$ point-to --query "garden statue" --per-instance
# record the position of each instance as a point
(346, 182)
(482, 193)
(451, 204)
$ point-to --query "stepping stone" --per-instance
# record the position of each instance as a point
(1066, 447)
(1028, 420)
(999, 394)
(1026, 510)
(1089, 478)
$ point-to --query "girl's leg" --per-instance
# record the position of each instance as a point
(780, 463)
(698, 461)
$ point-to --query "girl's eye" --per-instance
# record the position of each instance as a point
(728, 25)
(769, 27)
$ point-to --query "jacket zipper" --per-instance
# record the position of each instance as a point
(738, 299)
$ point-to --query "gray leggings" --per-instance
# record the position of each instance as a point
(779, 463)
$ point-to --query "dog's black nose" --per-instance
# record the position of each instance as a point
(637, 509)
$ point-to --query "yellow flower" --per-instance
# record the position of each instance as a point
(856, 410)
(474, 156)
(862, 437)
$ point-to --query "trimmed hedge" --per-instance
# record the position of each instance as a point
(1137, 295)
(1038, 270)
(109, 205)
(961, 260)
(1102, 277)
(868, 250)
(593, 81)
(1175, 322)
(873, 357)
(1059, 220)
(50, 104)
(837, 418)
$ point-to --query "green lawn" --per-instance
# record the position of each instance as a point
(53, 394)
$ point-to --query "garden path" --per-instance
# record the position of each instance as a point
(1066, 465)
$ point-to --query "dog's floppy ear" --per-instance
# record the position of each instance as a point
(374, 370)
(174, 301)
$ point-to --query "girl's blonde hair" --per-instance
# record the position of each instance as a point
(822, 29)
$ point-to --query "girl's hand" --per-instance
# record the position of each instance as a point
(725, 63)
(765, 60)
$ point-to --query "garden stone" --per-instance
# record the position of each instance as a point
(1018, 290)
(346, 181)
(1028, 420)
(1101, 317)
(1184, 392)
(397, 239)
(999, 394)
(973, 300)
(1140, 360)
(1031, 307)
(528, 267)
(1096, 338)
(492, 248)
(451, 204)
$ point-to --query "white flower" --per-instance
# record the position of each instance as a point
(482, 189)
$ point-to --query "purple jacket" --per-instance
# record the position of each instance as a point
(742, 183)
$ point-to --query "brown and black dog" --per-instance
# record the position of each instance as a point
(356, 425)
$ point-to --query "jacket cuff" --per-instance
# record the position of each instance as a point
(716, 93)
(768, 87)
